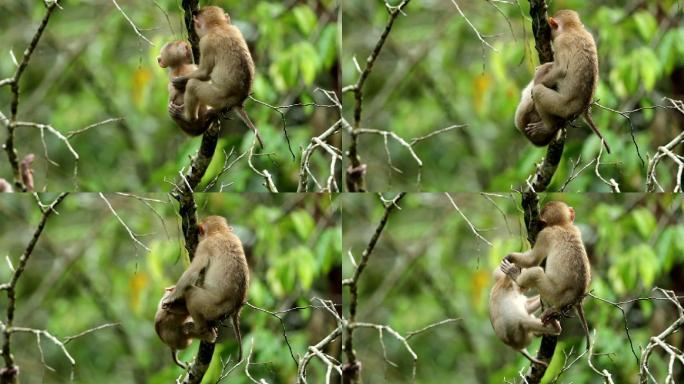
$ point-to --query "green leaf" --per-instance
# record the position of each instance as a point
(306, 266)
(646, 25)
(644, 221)
(327, 46)
(303, 223)
(305, 18)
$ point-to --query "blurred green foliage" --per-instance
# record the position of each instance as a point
(429, 265)
(90, 66)
(86, 271)
(434, 72)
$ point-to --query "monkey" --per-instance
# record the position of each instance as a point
(177, 57)
(5, 186)
(169, 324)
(526, 113)
(575, 73)
(566, 279)
(225, 73)
(215, 284)
(511, 315)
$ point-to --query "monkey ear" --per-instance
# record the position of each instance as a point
(543, 223)
(553, 23)
(161, 63)
(226, 17)
(200, 229)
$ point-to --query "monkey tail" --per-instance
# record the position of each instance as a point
(532, 358)
(243, 115)
(580, 314)
(174, 355)
(236, 329)
(590, 122)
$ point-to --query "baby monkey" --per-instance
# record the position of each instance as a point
(169, 324)
(526, 113)
(215, 284)
(566, 279)
(567, 88)
(510, 313)
(177, 57)
(225, 73)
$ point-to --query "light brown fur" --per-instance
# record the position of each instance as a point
(215, 284)
(225, 73)
(526, 113)
(511, 315)
(169, 325)
(566, 278)
(177, 57)
(567, 90)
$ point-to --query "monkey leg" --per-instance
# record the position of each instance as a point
(536, 278)
(203, 92)
(538, 327)
(203, 306)
(196, 92)
(551, 102)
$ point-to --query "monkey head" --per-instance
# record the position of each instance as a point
(209, 17)
(556, 213)
(562, 20)
(174, 54)
(213, 224)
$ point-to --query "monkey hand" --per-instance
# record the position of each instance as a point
(510, 269)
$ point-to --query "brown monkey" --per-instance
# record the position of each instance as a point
(226, 70)
(575, 76)
(510, 313)
(177, 57)
(215, 284)
(169, 324)
(567, 276)
(526, 113)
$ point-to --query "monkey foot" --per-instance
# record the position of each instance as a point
(510, 269)
(534, 129)
(176, 111)
(550, 316)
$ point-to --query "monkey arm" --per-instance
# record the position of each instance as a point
(534, 256)
(551, 102)
(204, 70)
(185, 282)
(549, 75)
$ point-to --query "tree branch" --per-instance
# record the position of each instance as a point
(9, 373)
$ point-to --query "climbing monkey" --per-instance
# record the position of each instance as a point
(215, 284)
(225, 73)
(566, 90)
(565, 281)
